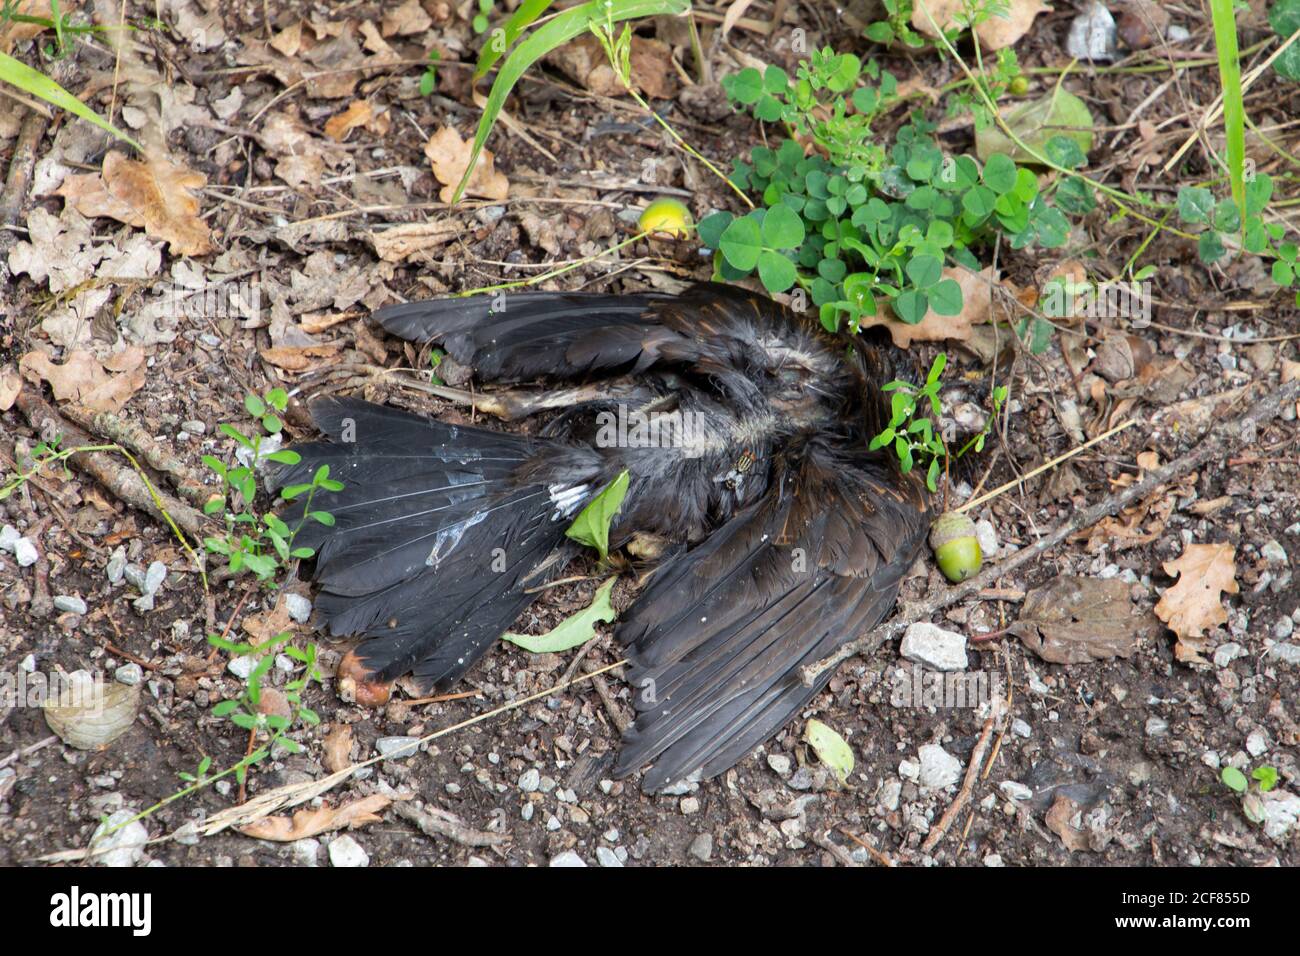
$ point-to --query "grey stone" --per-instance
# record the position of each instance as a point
(25, 552)
(933, 647)
(567, 858)
(395, 748)
(1225, 654)
(779, 763)
(939, 768)
(1020, 728)
(305, 852)
(129, 674)
(1285, 653)
(347, 852)
(125, 846)
(116, 566)
(299, 607)
(1093, 35)
(1015, 790)
(530, 780)
(1157, 727)
(702, 847)
(987, 536)
(607, 857)
(9, 536)
(1273, 552)
(1284, 628)
(242, 666)
(69, 603)
(154, 577)
(1256, 744)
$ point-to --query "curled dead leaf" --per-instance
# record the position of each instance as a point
(1058, 820)
(976, 308)
(401, 242)
(310, 822)
(449, 156)
(358, 113)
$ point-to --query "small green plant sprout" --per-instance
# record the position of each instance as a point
(200, 774)
(915, 436)
(261, 543)
(1262, 780)
(247, 712)
(429, 79)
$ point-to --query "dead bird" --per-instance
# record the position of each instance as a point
(743, 428)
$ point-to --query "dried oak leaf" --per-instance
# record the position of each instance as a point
(307, 823)
(153, 194)
(85, 381)
(449, 156)
(994, 33)
(976, 308)
(358, 113)
(1194, 605)
(1075, 620)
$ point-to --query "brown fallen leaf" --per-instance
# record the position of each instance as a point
(11, 383)
(994, 33)
(406, 19)
(338, 748)
(585, 62)
(299, 358)
(154, 194)
(358, 113)
(449, 156)
(309, 822)
(401, 242)
(13, 31)
(976, 308)
(85, 381)
(1075, 620)
(1194, 605)
(1058, 819)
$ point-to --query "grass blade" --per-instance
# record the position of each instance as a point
(563, 28)
(519, 21)
(39, 85)
(1234, 110)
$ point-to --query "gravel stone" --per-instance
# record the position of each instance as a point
(530, 780)
(701, 847)
(69, 603)
(567, 858)
(939, 768)
(125, 847)
(933, 647)
(347, 852)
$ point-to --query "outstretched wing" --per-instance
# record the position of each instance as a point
(567, 335)
(717, 640)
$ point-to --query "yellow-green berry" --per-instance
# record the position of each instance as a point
(666, 218)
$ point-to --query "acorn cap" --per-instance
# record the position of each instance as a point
(950, 526)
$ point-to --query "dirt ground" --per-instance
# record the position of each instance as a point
(1108, 762)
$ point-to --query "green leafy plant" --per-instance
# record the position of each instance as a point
(915, 436)
(261, 543)
(1262, 780)
(1284, 18)
(878, 225)
(482, 18)
(245, 711)
(1198, 208)
(591, 526)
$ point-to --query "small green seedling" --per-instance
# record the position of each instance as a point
(915, 437)
(1262, 780)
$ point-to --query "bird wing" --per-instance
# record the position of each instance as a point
(566, 335)
(717, 640)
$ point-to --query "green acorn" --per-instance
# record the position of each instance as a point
(955, 546)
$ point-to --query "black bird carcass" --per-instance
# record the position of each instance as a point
(786, 536)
